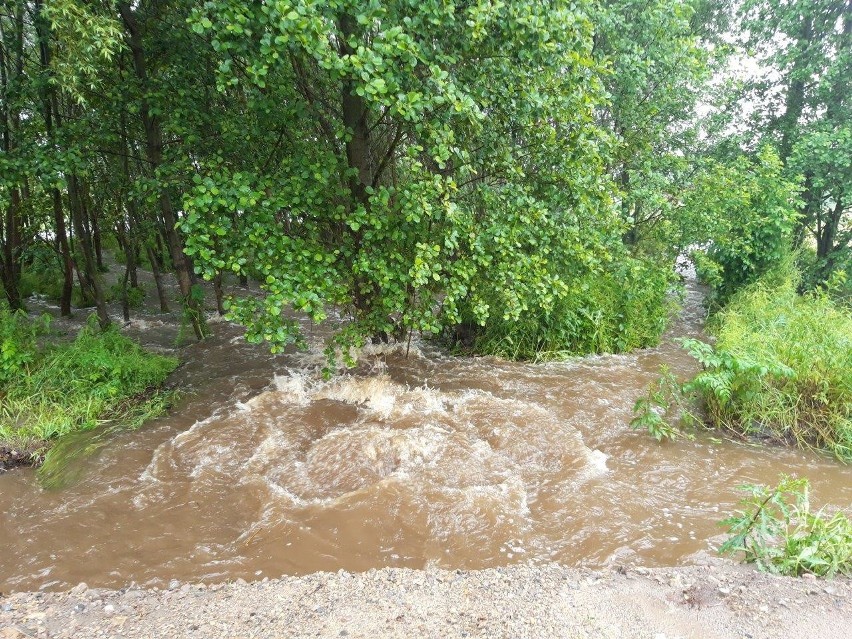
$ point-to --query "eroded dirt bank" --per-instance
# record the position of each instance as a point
(711, 601)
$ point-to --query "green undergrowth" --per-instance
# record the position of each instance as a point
(776, 530)
(780, 369)
(624, 308)
(50, 388)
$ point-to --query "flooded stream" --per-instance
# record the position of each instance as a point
(265, 469)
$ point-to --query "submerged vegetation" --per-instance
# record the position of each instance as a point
(52, 390)
(777, 531)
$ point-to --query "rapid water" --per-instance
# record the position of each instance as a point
(264, 469)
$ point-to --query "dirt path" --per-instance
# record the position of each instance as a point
(713, 601)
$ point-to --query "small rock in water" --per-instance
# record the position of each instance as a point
(174, 584)
(241, 582)
(80, 588)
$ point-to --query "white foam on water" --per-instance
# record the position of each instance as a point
(145, 324)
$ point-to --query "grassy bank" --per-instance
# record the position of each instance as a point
(50, 388)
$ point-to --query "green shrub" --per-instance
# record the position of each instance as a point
(42, 272)
(655, 411)
(835, 277)
(135, 295)
(777, 531)
(754, 212)
(611, 312)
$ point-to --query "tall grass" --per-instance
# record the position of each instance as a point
(99, 377)
(781, 367)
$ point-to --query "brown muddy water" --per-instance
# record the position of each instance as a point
(265, 469)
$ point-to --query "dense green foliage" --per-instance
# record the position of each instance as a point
(802, 103)
(68, 386)
(526, 172)
(18, 343)
(753, 211)
(777, 531)
(455, 174)
(624, 306)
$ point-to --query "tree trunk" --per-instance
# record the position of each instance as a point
(794, 101)
(355, 113)
(11, 266)
(78, 215)
(96, 234)
(217, 287)
(65, 253)
(11, 238)
(154, 151)
(158, 279)
(51, 113)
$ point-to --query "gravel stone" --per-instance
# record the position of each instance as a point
(521, 601)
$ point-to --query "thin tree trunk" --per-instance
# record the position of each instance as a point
(11, 237)
(154, 149)
(355, 112)
(158, 279)
(125, 300)
(11, 271)
(217, 287)
(794, 101)
(78, 215)
(96, 234)
(65, 252)
(51, 113)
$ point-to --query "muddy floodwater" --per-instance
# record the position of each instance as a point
(263, 469)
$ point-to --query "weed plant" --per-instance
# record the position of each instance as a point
(18, 342)
(777, 531)
(99, 377)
